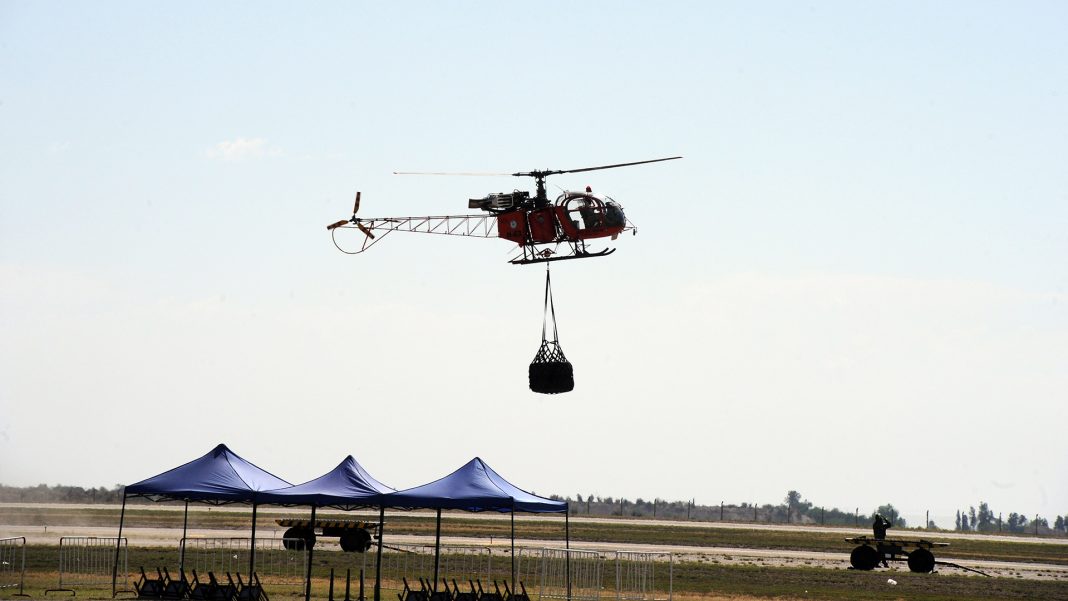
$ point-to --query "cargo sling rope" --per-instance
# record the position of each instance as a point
(550, 372)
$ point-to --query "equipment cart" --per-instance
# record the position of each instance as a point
(354, 536)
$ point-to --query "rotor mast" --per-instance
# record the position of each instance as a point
(541, 198)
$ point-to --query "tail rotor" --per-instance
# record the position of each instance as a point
(355, 208)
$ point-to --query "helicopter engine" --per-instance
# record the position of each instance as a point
(500, 201)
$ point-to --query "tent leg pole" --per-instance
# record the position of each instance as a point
(252, 547)
(513, 545)
(567, 547)
(378, 557)
(437, 553)
(118, 545)
(311, 547)
(185, 529)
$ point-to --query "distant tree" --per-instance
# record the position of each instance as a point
(1058, 524)
(958, 521)
(1016, 522)
(973, 520)
(986, 518)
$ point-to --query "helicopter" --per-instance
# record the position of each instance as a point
(544, 231)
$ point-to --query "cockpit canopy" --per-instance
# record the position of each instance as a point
(591, 213)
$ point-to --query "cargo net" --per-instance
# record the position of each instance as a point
(550, 372)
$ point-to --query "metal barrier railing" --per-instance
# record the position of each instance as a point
(461, 563)
(585, 581)
(636, 576)
(90, 561)
(13, 563)
(527, 572)
(274, 564)
(543, 572)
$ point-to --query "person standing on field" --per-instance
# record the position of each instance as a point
(880, 526)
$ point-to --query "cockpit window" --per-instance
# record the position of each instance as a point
(613, 215)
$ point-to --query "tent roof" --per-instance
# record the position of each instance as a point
(347, 486)
(221, 476)
(473, 487)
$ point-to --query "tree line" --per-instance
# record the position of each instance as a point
(793, 510)
(796, 510)
(985, 519)
(43, 493)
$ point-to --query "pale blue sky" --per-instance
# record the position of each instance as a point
(863, 252)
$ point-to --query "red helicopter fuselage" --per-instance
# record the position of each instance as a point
(574, 216)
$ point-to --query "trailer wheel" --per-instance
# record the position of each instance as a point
(298, 538)
(921, 560)
(358, 540)
(864, 558)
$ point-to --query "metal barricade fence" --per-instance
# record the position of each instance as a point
(13, 563)
(527, 570)
(636, 576)
(274, 564)
(457, 562)
(90, 561)
(639, 576)
(585, 574)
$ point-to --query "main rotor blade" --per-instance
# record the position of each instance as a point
(557, 171)
(356, 206)
(447, 173)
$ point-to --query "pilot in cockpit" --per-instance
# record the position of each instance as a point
(591, 217)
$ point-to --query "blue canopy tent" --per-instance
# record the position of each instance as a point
(474, 487)
(219, 477)
(348, 486)
(222, 477)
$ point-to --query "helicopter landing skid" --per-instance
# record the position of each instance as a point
(533, 257)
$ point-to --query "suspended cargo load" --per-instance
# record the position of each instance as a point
(550, 372)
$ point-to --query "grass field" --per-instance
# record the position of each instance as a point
(705, 579)
(691, 580)
(992, 548)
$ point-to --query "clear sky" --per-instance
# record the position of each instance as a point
(854, 285)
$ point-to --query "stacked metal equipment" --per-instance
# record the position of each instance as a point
(550, 372)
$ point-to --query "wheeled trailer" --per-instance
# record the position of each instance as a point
(870, 552)
(919, 554)
(354, 536)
